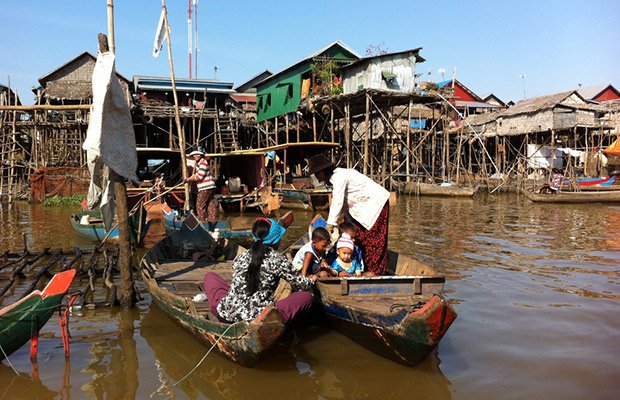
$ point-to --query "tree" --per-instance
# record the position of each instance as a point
(377, 50)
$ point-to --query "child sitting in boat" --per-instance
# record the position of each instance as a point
(345, 264)
(309, 259)
(350, 230)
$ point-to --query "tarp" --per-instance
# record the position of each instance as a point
(110, 137)
(614, 148)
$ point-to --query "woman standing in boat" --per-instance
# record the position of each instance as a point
(361, 201)
(206, 204)
(256, 274)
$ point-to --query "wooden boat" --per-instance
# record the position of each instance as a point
(304, 199)
(444, 190)
(173, 222)
(600, 196)
(173, 277)
(89, 225)
(401, 316)
(22, 320)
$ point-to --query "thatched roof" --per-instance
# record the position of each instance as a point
(569, 98)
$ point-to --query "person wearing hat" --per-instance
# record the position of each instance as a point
(206, 204)
(345, 264)
(359, 200)
(256, 274)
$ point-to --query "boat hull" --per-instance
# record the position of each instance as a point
(173, 278)
(407, 342)
(22, 321)
(95, 232)
(607, 196)
(426, 189)
(401, 316)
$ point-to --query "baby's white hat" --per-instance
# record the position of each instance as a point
(345, 241)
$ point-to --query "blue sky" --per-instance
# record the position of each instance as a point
(556, 44)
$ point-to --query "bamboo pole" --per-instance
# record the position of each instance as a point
(367, 134)
(347, 133)
(176, 109)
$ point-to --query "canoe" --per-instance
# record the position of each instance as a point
(173, 277)
(602, 196)
(401, 316)
(89, 225)
(22, 320)
(428, 189)
(173, 222)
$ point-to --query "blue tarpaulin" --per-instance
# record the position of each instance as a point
(418, 123)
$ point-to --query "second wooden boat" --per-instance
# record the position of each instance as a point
(173, 271)
(444, 190)
(401, 316)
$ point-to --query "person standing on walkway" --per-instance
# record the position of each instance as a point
(206, 204)
(361, 201)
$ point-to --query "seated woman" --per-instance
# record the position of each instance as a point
(256, 274)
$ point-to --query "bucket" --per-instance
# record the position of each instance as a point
(234, 183)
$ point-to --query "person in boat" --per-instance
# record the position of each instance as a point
(361, 201)
(345, 264)
(556, 180)
(309, 259)
(349, 229)
(206, 204)
(256, 274)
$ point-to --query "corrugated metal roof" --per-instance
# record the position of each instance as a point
(244, 98)
(185, 85)
(591, 92)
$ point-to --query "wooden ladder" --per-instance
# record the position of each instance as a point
(226, 134)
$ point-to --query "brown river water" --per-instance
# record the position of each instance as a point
(536, 288)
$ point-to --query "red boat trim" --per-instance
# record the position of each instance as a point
(381, 336)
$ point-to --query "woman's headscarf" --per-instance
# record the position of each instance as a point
(275, 232)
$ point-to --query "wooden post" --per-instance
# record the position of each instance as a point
(276, 131)
(314, 125)
(347, 133)
(286, 127)
(365, 170)
(408, 163)
(332, 121)
(298, 137)
(127, 294)
(176, 109)
(202, 110)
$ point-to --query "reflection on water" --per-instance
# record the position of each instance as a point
(535, 287)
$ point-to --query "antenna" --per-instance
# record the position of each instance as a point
(442, 71)
(215, 69)
(196, 38)
(523, 78)
(189, 35)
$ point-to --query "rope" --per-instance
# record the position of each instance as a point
(409, 307)
(203, 358)
(9, 361)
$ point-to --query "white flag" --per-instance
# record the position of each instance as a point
(160, 35)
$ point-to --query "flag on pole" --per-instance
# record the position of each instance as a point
(160, 35)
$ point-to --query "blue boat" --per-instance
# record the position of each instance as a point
(89, 225)
(173, 222)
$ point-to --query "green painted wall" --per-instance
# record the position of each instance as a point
(281, 94)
